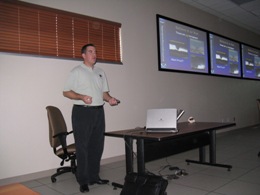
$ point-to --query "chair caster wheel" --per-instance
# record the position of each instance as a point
(53, 180)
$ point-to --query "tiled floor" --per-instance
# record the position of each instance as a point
(238, 148)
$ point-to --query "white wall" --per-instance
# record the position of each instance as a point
(29, 84)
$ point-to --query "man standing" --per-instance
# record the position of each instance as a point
(88, 88)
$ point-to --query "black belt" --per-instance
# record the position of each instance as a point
(87, 106)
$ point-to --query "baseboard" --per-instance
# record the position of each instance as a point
(46, 173)
(229, 130)
(112, 159)
(27, 177)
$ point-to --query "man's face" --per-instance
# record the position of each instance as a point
(90, 56)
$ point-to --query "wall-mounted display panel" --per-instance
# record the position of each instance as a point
(250, 62)
(181, 47)
(224, 56)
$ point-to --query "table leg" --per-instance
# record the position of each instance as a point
(212, 147)
(140, 156)
(129, 154)
(202, 156)
(212, 154)
(128, 159)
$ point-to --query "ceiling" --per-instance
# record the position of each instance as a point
(244, 13)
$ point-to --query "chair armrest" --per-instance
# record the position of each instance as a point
(70, 132)
(60, 134)
(62, 138)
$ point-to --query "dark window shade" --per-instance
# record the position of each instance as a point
(64, 36)
(31, 29)
(9, 25)
(28, 31)
(81, 32)
(47, 37)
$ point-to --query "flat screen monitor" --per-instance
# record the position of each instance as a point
(181, 47)
(224, 56)
(250, 62)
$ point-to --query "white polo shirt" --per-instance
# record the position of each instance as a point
(87, 81)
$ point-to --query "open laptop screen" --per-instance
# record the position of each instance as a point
(161, 120)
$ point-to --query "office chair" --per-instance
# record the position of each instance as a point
(57, 137)
(258, 104)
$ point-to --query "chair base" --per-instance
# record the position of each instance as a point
(117, 185)
(62, 170)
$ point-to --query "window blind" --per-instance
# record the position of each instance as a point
(37, 30)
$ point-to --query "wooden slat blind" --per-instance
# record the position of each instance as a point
(37, 30)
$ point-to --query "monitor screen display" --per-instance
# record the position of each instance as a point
(181, 47)
(250, 62)
(224, 56)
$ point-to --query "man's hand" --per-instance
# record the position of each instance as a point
(113, 101)
(87, 99)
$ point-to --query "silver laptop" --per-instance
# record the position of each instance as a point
(162, 120)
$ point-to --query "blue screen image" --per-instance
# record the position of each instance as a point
(224, 56)
(250, 62)
(182, 47)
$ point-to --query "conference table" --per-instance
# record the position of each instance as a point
(184, 129)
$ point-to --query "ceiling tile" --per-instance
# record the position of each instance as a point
(247, 15)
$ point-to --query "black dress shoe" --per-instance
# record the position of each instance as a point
(84, 188)
(99, 181)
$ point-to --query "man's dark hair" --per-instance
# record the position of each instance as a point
(84, 48)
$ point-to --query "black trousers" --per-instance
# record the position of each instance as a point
(88, 127)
